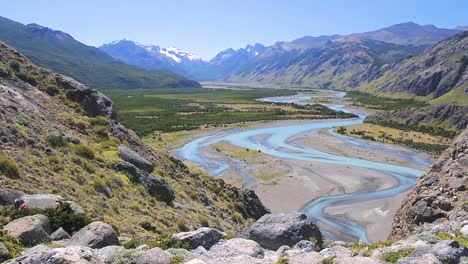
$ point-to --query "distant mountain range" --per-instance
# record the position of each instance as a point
(62, 53)
(334, 61)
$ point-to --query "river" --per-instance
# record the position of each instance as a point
(275, 142)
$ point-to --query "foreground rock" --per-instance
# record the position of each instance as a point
(73, 255)
(95, 235)
(59, 234)
(35, 201)
(273, 231)
(205, 237)
(31, 230)
(135, 159)
(8, 196)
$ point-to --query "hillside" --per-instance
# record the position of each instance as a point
(58, 136)
(62, 53)
(440, 72)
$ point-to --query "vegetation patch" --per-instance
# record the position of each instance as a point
(371, 101)
(393, 257)
(11, 243)
(9, 167)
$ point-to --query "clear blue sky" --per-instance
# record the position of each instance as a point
(206, 27)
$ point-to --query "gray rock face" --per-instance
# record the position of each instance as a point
(107, 252)
(449, 251)
(42, 254)
(4, 252)
(31, 230)
(59, 234)
(95, 235)
(154, 256)
(464, 231)
(45, 201)
(205, 237)
(238, 247)
(8, 196)
(156, 187)
(305, 246)
(273, 231)
(424, 259)
(135, 159)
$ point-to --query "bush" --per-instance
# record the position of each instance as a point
(101, 131)
(56, 141)
(27, 78)
(163, 242)
(15, 65)
(84, 151)
(393, 257)
(5, 70)
(182, 226)
(52, 90)
(98, 120)
(62, 216)
(9, 167)
(12, 244)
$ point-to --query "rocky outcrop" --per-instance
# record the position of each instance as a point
(45, 201)
(59, 234)
(31, 230)
(94, 235)
(439, 196)
(135, 159)
(273, 231)
(205, 237)
(8, 197)
(43, 254)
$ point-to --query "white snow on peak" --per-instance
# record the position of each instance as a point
(170, 54)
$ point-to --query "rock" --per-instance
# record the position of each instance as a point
(328, 253)
(358, 260)
(305, 246)
(156, 187)
(424, 259)
(282, 251)
(125, 256)
(154, 256)
(464, 231)
(449, 251)
(4, 252)
(107, 252)
(237, 247)
(45, 201)
(181, 254)
(59, 234)
(424, 236)
(8, 196)
(195, 261)
(204, 236)
(136, 159)
(95, 235)
(41, 254)
(306, 258)
(273, 231)
(253, 206)
(31, 230)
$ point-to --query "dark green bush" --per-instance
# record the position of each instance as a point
(84, 151)
(101, 131)
(9, 167)
(27, 78)
(15, 65)
(52, 90)
(56, 141)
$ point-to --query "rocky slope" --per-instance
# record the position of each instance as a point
(58, 136)
(439, 71)
(439, 200)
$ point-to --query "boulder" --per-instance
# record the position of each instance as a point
(306, 258)
(59, 234)
(195, 261)
(45, 201)
(136, 159)
(156, 187)
(95, 235)
(4, 252)
(31, 230)
(449, 251)
(107, 252)
(328, 253)
(8, 196)
(424, 259)
(358, 260)
(154, 256)
(464, 231)
(273, 231)
(204, 236)
(237, 247)
(305, 246)
(42, 254)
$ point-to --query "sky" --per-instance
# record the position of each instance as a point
(206, 27)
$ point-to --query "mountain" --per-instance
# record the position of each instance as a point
(62, 53)
(339, 64)
(62, 137)
(440, 72)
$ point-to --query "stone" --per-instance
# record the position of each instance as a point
(8, 196)
(154, 256)
(237, 247)
(31, 230)
(282, 251)
(156, 187)
(59, 234)
(305, 246)
(424, 259)
(449, 251)
(306, 258)
(136, 159)
(45, 201)
(204, 236)
(328, 253)
(358, 260)
(95, 235)
(464, 231)
(4, 252)
(273, 231)
(424, 236)
(107, 252)
(195, 261)
(42, 254)
(181, 254)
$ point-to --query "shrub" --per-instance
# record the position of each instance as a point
(162, 241)
(98, 120)
(393, 257)
(89, 167)
(84, 151)
(9, 167)
(327, 260)
(52, 90)
(27, 78)
(283, 260)
(11, 243)
(56, 141)
(204, 221)
(182, 226)
(5, 70)
(101, 131)
(15, 65)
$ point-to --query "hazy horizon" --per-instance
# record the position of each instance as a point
(207, 27)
